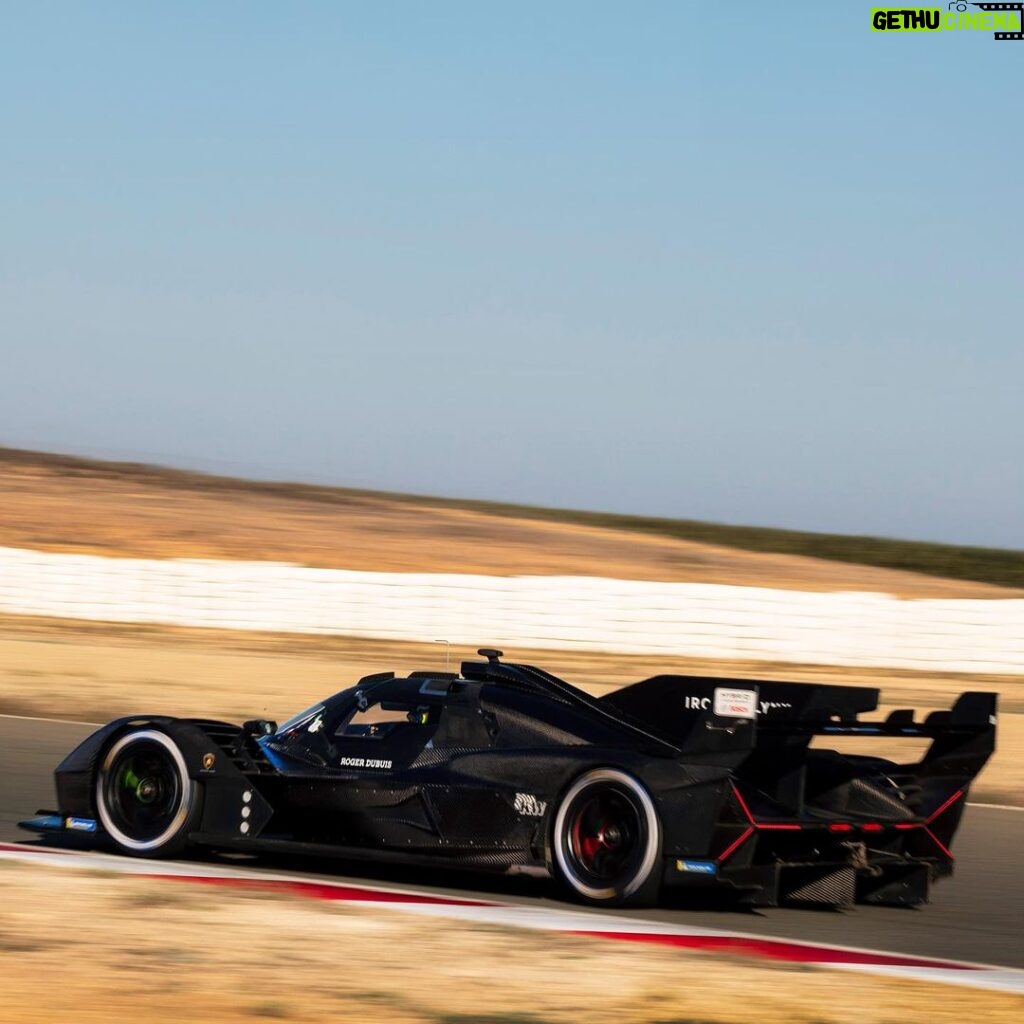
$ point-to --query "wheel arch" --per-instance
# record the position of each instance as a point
(188, 799)
(76, 776)
(594, 774)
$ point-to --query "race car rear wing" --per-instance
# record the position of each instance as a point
(762, 731)
(733, 717)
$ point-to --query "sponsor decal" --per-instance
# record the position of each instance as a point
(364, 762)
(696, 703)
(208, 761)
(529, 806)
(80, 824)
(699, 867)
(735, 703)
(704, 704)
(767, 705)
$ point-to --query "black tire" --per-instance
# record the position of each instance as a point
(145, 800)
(606, 840)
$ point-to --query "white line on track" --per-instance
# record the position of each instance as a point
(56, 721)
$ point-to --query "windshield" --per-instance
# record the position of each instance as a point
(304, 719)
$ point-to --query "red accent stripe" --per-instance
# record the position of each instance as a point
(758, 824)
(743, 804)
(938, 842)
(732, 847)
(23, 848)
(322, 890)
(771, 949)
(952, 800)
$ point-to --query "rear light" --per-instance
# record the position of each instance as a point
(871, 827)
(840, 827)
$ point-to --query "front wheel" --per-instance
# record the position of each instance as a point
(606, 840)
(145, 799)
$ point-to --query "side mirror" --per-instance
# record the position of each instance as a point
(259, 727)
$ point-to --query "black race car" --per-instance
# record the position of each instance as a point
(673, 781)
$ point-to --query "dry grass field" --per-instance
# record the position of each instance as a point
(56, 504)
(98, 947)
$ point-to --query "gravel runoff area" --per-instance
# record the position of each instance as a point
(97, 946)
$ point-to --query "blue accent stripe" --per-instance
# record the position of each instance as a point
(46, 823)
(276, 760)
(850, 729)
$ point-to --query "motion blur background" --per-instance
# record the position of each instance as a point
(679, 313)
(744, 262)
(733, 264)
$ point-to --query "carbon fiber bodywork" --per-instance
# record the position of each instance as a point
(469, 770)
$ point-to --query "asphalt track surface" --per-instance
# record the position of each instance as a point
(977, 915)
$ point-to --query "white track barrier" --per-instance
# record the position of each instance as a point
(561, 612)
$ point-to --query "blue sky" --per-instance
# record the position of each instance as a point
(744, 262)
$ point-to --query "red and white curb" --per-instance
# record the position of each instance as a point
(544, 918)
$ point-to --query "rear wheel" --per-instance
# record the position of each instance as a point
(606, 840)
(145, 799)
